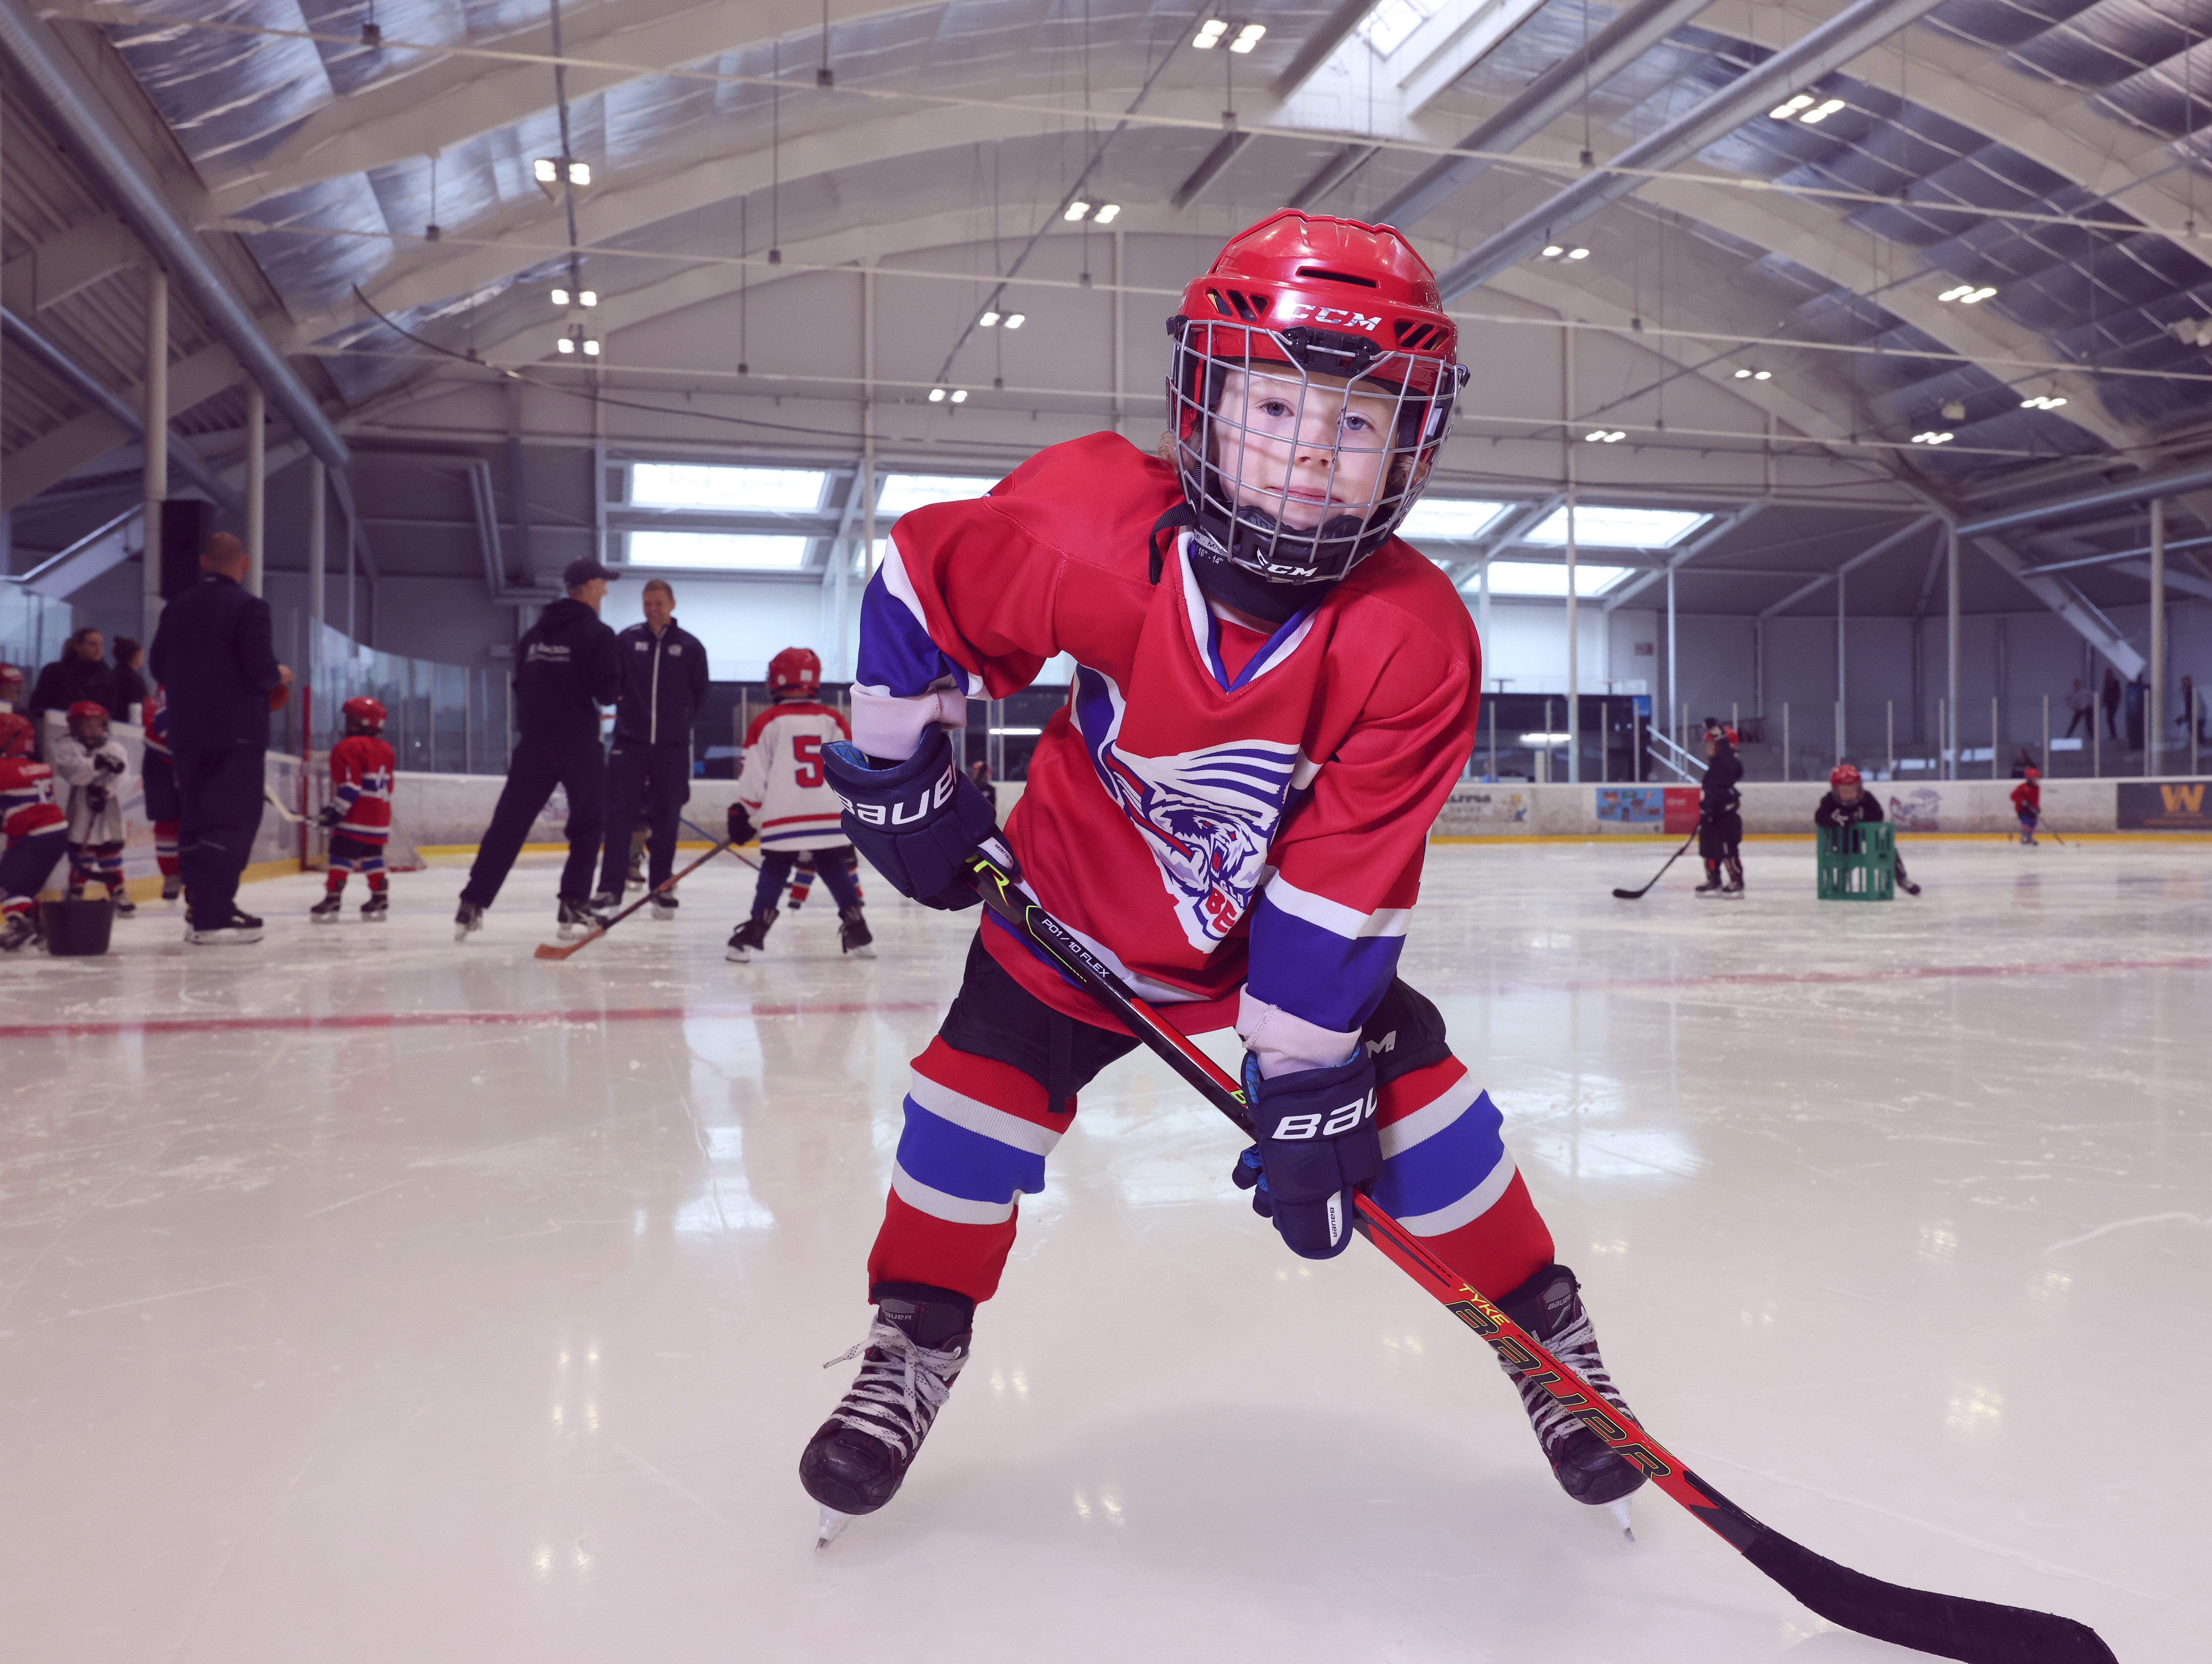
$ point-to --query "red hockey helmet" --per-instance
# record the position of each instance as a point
(16, 735)
(1346, 353)
(797, 670)
(2031, 774)
(363, 713)
(87, 711)
(1844, 774)
(1716, 729)
(11, 684)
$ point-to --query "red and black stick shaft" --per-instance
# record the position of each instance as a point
(1975, 1632)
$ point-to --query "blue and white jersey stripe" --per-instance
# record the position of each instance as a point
(898, 659)
(1320, 960)
(1445, 1164)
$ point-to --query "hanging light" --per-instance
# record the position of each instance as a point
(1933, 437)
(1107, 214)
(1210, 33)
(959, 395)
(1820, 112)
(564, 345)
(989, 321)
(1790, 107)
(590, 297)
(590, 348)
(560, 297)
(1016, 320)
(937, 395)
(1604, 436)
(1076, 210)
(1248, 37)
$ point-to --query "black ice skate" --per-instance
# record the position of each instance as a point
(467, 920)
(664, 907)
(172, 887)
(750, 938)
(326, 911)
(240, 927)
(377, 909)
(577, 918)
(1733, 889)
(853, 936)
(1712, 883)
(914, 1351)
(124, 906)
(1549, 1306)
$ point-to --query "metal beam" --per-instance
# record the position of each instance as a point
(1683, 556)
(2174, 580)
(61, 94)
(1320, 46)
(2069, 604)
(2142, 488)
(1852, 565)
(1828, 47)
(1215, 165)
(50, 272)
(1545, 100)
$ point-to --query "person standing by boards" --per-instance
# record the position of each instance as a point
(664, 683)
(1720, 815)
(564, 671)
(1847, 803)
(212, 656)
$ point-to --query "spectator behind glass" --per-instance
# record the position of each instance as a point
(2110, 698)
(130, 681)
(2083, 704)
(82, 672)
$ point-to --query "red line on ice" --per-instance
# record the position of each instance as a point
(166, 1025)
(1898, 974)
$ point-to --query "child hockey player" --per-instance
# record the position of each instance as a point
(90, 763)
(11, 689)
(803, 875)
(1720, 815)
(781, 796)
(1847, 803)
(158, 780)
(36, 830)
(2028, 804)
(359, 815)
(1272, 699)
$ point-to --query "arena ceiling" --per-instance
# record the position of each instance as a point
(1982, 221)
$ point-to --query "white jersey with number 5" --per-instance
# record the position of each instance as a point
(782, 786)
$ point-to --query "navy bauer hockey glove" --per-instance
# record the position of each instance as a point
(1318, 1144)
(916, 821)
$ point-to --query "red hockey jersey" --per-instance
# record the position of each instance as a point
(781, 784)
(1244, 845)
(27, 798)
(360, 784)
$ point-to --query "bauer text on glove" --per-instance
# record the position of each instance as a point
(916, 821)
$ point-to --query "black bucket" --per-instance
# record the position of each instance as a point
(77, 929)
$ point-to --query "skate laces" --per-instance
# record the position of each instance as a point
(901, 1387)
(1575, 1346)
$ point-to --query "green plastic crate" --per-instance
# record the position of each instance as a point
(1857, 863)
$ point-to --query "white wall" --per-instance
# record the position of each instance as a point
(1526, 647)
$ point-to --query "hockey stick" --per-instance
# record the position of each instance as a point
(290, 817)
(709, 836)
(562, 949)
(1975, 1632)
(1638, 894)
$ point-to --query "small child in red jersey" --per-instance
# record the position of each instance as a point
(359, 815)
(2028, 803)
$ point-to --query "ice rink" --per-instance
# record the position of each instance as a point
(364, 1296)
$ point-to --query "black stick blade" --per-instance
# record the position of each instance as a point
(1974, 1631)
(1627, 895)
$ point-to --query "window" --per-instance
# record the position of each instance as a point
(717, 551)
(740, 490)
(1618, 528)
(905, 491)
(1385, 28)
(1447, 519)
(1539, 578)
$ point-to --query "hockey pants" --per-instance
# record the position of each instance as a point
(996, 1090)
(97, 863)
(220, 799)
(830, 866)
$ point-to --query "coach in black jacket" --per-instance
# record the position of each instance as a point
(212, 654)
(564, 671)
(664, 681)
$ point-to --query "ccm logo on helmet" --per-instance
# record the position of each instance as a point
(1358, 320)
(1325, 1124)
(897, 814)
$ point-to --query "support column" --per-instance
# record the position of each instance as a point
(257, 482)
(1574, 661)
(1841, 692)
(867, 438)
(1673, 693)
(2155, 708)
(156, 472)
(1948, 741)
(318, 515)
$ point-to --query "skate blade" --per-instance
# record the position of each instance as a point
(831, 1528)
(1619, 1509)
(861, 953)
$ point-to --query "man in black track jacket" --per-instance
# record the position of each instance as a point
(664, 681)
(564, 671)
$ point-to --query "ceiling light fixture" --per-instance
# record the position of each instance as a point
(564, 344)
(1933, 437)
(560, 297)
(1076, 210)
(1762, 375)
(1016, 320)
(589, 297)
(1966, 294)
(959, 395)
(1820, 112)
(1552, 251)
(1210, 33)
(1788, 107)
(591, 348)
(1604, 436)
(1579, 254)
(937, 395)
(989, 321)
(548, 172)
(1248, 37)
(1107, 214)
(2042, 402)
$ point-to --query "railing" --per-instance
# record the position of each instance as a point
(1667, 755)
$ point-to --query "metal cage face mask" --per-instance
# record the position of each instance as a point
(1272, 425)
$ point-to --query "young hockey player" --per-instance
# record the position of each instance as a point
(1847, 803)
(11, 689)
(36, 831)
(90, 763)
(803, 875)
(158, 780)
(2027, 804)
(1271, 701)
(359, 815)
(782, 796)
(1720, 815)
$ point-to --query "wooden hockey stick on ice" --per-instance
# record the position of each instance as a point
(1975, 1632)
(290, 816)
(562, 949)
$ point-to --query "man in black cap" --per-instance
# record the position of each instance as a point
(213, 654)
(565, 669)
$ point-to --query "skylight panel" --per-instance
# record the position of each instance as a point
(717, 551)
(739, 490)
(1619, 528)
(1548, 580)
(1450, 519)
(905, 491)
(1388, 27)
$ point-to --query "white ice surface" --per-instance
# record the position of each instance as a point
(329, 1337)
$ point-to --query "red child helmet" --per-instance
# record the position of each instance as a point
(360, 711)
(798, 668)
(1308, 296)
(87, 710)
(11, 684)
(2031, 774)
(15, 735)
(1844, 774)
